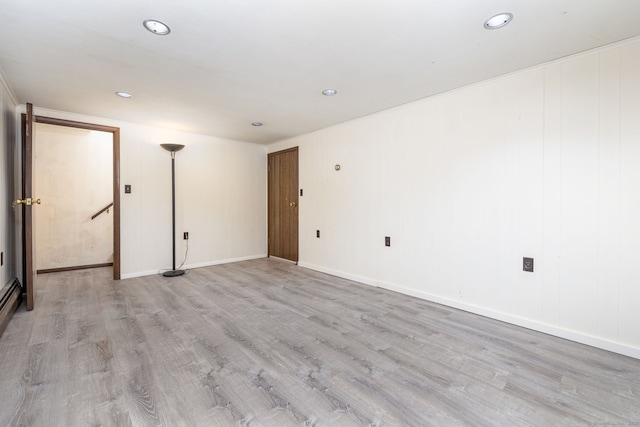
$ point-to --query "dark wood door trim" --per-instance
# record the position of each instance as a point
(27, 211)
(115, 131)
(74, 268)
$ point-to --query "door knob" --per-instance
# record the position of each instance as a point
(293, 204)
(28, 201)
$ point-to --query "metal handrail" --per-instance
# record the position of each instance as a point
(101, 211)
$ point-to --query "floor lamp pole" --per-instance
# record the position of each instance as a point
(173, 204)
(172, 148)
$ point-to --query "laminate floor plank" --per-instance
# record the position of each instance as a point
(267, 343)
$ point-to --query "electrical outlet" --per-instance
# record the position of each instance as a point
(387, 241)
(186, 235)
(127, 189)
(527, 264)
(318, 234)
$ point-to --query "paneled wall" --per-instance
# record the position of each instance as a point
(8, 155)
(542, 163)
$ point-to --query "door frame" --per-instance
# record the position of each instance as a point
(115, 131)
(27, 124)
(270, 189)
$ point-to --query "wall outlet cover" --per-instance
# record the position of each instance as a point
(527, 264)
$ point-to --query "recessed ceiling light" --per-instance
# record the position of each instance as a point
(256, 124)
(156, 27)
(126, 95)
(329, 92)
(498, 21)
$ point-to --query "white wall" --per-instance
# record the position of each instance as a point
(73, 177)
(8, 156)
(220, 197)
(543, 163)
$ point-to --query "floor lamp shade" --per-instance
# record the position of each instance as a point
(173, 148)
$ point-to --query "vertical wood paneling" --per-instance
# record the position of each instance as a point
(529, 193)
(579, 181)
(421, 196)
(345, 196)
(540, 163)
(8, 159)
(388, 198)
(552, 201)
(313, 160)
(608, 255)
(629, 227)
(464, 182)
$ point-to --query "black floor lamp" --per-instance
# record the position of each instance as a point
(172, 148)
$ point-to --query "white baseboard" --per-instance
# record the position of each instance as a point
(223, 261)
(535, 325)
(125, 276)
(192, 266)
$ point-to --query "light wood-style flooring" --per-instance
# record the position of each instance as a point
(268, 343)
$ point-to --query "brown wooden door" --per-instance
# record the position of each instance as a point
(27, 212)
(283, 204)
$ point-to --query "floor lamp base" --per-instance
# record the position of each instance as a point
(173, 273)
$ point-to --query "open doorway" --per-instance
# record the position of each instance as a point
(73, 175)
(114, 197)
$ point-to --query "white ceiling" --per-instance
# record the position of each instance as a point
(228, 63)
